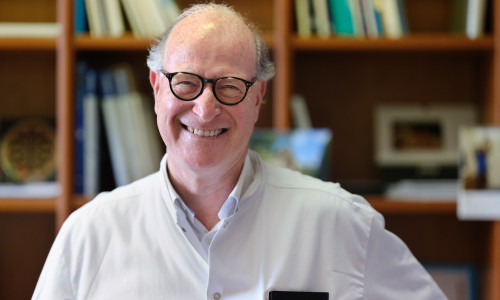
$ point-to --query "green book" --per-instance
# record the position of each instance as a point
(341, 15)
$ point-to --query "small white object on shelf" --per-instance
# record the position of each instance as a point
(29, 30)
(47, 189)
(442, 190)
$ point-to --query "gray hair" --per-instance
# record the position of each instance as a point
(264, 69)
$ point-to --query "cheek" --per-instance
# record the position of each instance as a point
(253, 111)
(249, 117)
(164, 111)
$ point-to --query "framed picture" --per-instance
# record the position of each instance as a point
(305, 150)
(419, 135)
(479, 189)
(458, 282)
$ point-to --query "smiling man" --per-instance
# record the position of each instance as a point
(206, 124)
(216, 222)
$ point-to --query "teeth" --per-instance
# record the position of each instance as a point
(204, 132)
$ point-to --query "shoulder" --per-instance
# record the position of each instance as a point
(312, 190)
(110, 209)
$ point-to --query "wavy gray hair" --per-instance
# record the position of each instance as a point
(264, 69)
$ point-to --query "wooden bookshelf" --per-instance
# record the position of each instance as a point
(415, 207)
(16, 205)
(360, 73)
(443, 68)
(124, 43)
(28, 44)
(415, 42)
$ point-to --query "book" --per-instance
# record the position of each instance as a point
(391, 19)
(341, 15)
(80, 19)
(370, 26)
(29, 30)
(303, 18)
(155, 17)
(87, 132)
(357, 18)
(321, 18)
(114, 133)
(378, 9)
(114, 18)
(170, 9)
(475, 18)
(402, 17)
(91, 135)
(80, 69)
(96, 18)
(144, 154)
(134, 19)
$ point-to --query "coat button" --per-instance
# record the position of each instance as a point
(217, 296)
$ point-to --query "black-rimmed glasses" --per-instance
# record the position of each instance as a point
(227, 90)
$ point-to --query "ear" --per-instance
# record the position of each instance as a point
(154, 81)
(260, 88)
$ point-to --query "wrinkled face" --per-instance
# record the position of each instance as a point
(204, 133)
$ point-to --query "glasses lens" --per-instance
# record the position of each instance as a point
(230, 90)
(186, 86)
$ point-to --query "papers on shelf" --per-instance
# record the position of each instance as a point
(478, 205)
(443, 190)
(29, 190)
(29, 30)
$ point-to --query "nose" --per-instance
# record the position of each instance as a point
(206, 106)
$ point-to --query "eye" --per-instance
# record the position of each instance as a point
(231, 87)
(186, 83)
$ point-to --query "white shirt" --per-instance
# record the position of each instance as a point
(283, 231)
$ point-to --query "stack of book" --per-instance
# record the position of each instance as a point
(112, 18)
(109, 105)
(377, 18)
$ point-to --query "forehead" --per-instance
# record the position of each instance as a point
(211, 37)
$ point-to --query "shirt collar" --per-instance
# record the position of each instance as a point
(230, 206)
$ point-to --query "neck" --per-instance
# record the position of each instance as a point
(204, 191)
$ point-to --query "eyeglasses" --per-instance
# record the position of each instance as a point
(227, 90)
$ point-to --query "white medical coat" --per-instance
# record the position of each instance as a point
(289, 232)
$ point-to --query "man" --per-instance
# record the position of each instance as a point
(216, 222)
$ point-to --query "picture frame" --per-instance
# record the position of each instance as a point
(307, 150)
(419, 135)
(479, 173)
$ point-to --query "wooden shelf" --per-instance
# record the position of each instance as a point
(125, 43)
(15, 205)
(79, 201)
(429, 64)
(27, 44)
(416, 42)
(384, 206)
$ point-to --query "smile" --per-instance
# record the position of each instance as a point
(207, 133)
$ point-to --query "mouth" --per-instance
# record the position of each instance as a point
(204, 133)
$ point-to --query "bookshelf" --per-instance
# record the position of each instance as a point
(438, 61)
(431, 64)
